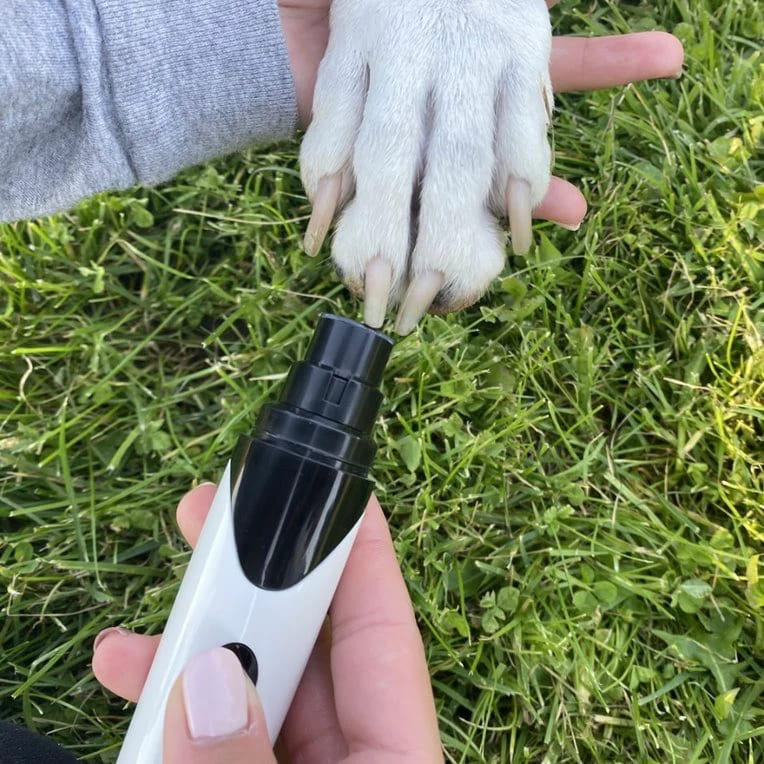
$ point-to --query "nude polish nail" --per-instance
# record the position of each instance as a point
(102, 635)
(214, 694)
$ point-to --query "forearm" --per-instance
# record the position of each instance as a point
(101, 94)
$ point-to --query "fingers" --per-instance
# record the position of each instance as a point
(121, 661)
(192, 511)
(213, 714)
(604, 62)
(311, 730)
(381, 681)
(588, 64)
(563, 204)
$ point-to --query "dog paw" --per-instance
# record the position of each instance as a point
(429, 127)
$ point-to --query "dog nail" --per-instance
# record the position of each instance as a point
(325, 204)
(519, 211)
(419, 297)
(379, 275)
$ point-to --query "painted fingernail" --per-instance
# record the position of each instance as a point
(215, 694)
(107, 633)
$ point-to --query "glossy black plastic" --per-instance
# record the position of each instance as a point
(339, 378)
(246, 658)
(300, 483)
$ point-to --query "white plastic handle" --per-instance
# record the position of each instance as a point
(218, 605)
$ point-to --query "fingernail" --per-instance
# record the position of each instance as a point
(215, 694)
(107, 633)
(569, 227)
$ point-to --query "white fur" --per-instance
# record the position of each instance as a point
(447, 92)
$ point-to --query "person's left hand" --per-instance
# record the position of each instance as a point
(365, 696)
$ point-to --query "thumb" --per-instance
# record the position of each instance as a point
(214, 715)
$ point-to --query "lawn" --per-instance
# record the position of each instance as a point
(573, 469)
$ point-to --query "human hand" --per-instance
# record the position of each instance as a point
(365, 695)
(576, 64)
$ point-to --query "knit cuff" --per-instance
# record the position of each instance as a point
(192, 80)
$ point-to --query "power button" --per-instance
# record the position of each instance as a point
(246, 658)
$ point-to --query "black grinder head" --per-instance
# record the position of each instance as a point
(341, 374)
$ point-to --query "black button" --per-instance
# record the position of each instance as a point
(246, 658)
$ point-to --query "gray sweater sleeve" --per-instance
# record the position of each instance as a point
(102, 94)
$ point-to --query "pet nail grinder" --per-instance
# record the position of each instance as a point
(278, 533)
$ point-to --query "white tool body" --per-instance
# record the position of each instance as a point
(278, 534)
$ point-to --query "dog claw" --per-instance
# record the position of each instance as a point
(519, 212)
(419, 296)
(379, 276)
(325, 204)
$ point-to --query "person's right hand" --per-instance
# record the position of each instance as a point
(365, 697)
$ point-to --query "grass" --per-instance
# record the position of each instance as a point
(573, 468)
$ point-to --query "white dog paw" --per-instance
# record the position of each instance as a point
(430, 123)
